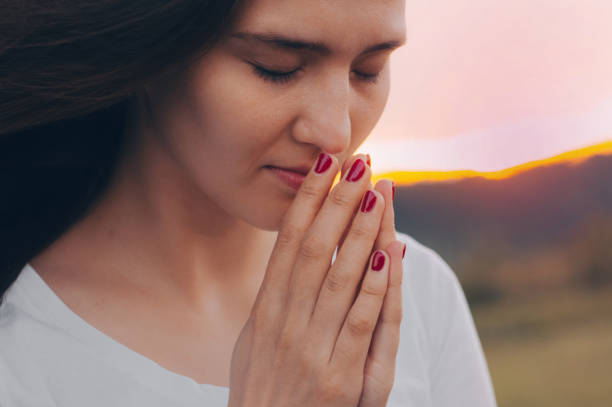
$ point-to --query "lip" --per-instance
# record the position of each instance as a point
(300, 169)
(293, 178)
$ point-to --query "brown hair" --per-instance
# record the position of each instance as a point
(68, 71)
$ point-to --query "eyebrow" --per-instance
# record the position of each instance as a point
(281, 41)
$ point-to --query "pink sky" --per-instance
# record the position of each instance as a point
(487, 84)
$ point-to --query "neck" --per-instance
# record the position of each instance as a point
(154, 229)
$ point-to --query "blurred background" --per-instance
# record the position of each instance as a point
(498, 131)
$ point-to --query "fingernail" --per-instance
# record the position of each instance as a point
(404, 252)
(369, 199)
(393, 189)
(323, 163)
(369, 160)
(357, 170)
(378, 261)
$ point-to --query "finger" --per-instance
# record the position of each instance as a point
(313, 259)
(351, 348)
(366, 158)
(387, 233)
(380, 362)
(296, 221)
(340, 286)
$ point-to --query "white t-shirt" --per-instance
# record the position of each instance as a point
(49, 356)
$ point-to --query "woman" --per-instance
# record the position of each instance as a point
(180, 244)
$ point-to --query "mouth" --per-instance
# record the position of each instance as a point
(293, 177)
(301, 169)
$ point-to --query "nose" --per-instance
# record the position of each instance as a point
(325, 120)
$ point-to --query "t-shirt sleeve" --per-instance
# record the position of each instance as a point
(458, 371)
(460, 376)
(20, 383)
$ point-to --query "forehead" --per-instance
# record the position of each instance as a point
(345, 25)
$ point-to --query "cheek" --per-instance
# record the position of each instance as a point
(218, 124)
(233, 114)
(368, 109)
(234, 125)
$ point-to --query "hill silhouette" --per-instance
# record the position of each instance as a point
(552, 210)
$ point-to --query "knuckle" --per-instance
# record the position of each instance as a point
(392, 318)
(379, 374)
(340, 198)
(289, 235)
(334, 389)
(380, 389)
(358, 324)
(370, 288)
(307, 363)
(361, 231)
(395, 317)
(345, 353)
(286, 340)
(262, 319)
(314, 357)
(309, 190)
(336, 281)
(311, 248)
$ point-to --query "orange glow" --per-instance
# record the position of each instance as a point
(571, 157)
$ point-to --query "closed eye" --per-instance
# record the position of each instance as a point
(281, 77)
(274, 76)
(370, 78)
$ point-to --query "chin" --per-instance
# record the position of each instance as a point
(271, 223)
(269, 217)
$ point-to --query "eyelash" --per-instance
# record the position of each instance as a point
(284, 77)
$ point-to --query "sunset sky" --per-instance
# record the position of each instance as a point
(485, 85)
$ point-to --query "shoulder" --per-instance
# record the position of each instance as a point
(436, 310)
(424, 269)
(22, 381)
(19, 327)
(432, 295)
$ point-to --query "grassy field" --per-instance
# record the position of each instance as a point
(553, 350)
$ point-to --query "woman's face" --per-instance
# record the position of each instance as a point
(229, 117)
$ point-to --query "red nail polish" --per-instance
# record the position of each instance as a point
(369, 199)
(323, 163)
(357, 170)
(393, 189)
(404, 252)
(378, 261)
(369, 160)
